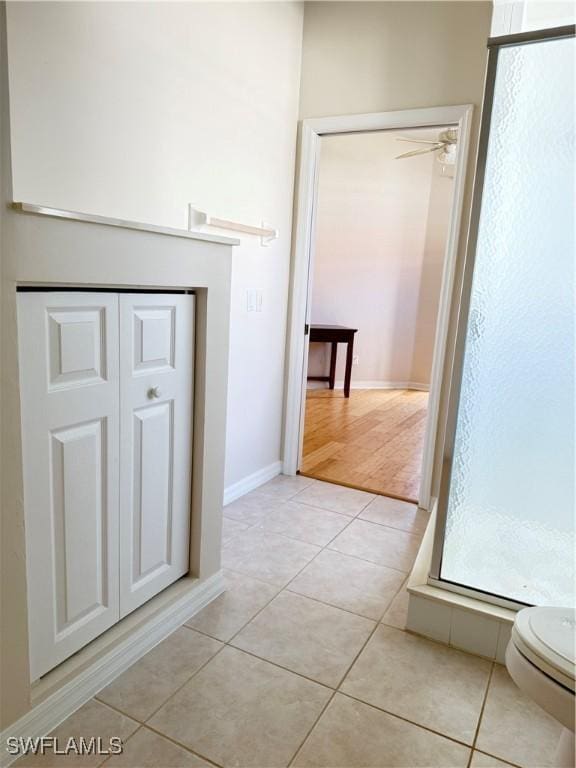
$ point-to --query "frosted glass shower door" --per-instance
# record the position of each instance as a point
(509, 503)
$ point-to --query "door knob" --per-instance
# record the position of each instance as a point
(154, 392)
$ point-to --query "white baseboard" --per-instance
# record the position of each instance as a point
(339, 384)
(54, 709)
(251, 482)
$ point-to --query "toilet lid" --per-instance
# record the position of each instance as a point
(547, 637)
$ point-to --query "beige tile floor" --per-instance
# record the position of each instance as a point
(304, 660)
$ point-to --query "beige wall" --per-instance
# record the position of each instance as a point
(381, 227)
(374, 57)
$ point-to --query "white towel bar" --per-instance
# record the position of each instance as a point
(197, 218)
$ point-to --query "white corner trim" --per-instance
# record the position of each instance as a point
(256, 479)
(54, 709)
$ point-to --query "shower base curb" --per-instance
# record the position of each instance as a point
(460, 621)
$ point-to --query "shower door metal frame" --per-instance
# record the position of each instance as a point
(494, 46)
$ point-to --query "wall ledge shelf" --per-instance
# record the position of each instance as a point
(44, 210)
(197, 218)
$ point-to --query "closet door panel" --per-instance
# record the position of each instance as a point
(156, 389)
(77, 469)
(70, 417)
(153, 445)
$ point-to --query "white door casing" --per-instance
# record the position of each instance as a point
(300, 288)
(70, 418)
(156, 381)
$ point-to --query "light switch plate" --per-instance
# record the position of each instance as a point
(254, 300)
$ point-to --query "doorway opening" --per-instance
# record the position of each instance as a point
(375, 251)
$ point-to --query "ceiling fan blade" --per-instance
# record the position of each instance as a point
(418, 152)
(417, 141)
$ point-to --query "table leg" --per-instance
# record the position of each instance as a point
(333, 354)
(349, 358)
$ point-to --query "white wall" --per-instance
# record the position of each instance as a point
(511, 16)
(134, 109)
(380, 237)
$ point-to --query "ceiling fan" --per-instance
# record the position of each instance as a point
(445, 145)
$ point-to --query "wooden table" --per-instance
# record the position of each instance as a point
(334, 335)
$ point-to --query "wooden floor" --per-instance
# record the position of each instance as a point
(372, 441)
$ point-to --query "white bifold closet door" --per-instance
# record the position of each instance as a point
(156, 366)
(106, 399)
(70, 424)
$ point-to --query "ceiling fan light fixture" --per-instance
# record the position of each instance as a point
(448, 155)
(445, 145)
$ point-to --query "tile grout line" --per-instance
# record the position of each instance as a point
(377, 624)
(500, 759)
(188, 679)
(109, 757)
(345, 675)
(284, 669)
(338, 607)
(326, 546)
(392, 714)
(228, 643)
(267, 661)
(338, 688)
(357, 516)
(333, 691)
(292, 591)
(293, 500)
(452, 648)
(295, 538)
(481, 715)
(325, 509)
(208, 760)
(405, 720)
(365, 560)
(381, 619)
(145, 724)
(351, 520)
(285, 586)
(167, 738)
(312, 727)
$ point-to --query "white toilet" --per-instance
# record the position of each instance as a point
(540, 658)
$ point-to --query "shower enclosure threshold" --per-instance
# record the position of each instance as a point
(461, 621)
